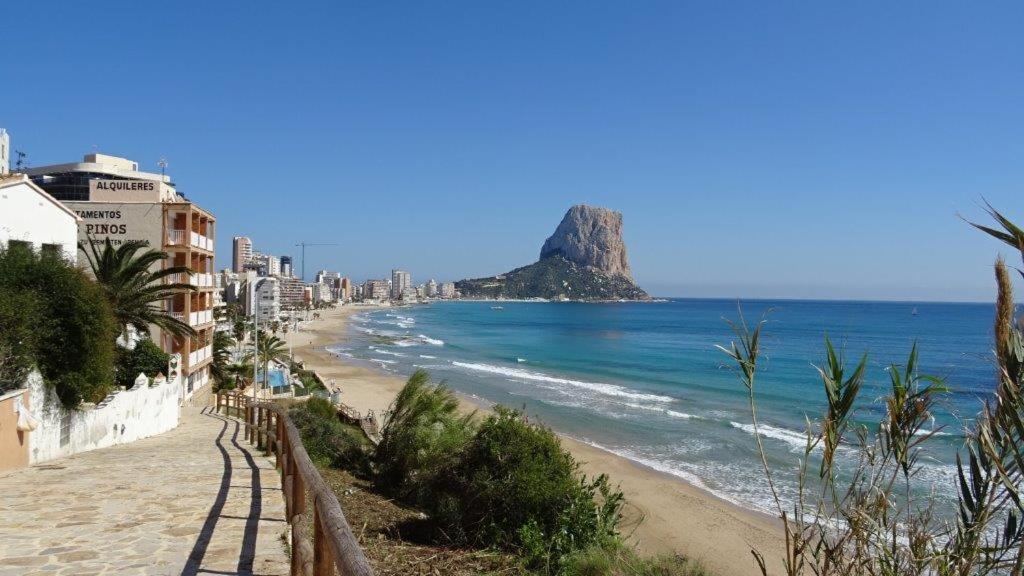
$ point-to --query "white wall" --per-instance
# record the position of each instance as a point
(30, 217)
(122, 417)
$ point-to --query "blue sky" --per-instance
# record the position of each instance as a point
(769, 149)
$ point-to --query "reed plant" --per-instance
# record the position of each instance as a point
(868, 518)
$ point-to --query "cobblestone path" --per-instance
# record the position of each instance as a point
(192, 501)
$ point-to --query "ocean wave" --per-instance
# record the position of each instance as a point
(521, 360)
(682, 415)
(388, 352)
(428, 356)
(607, 389)
(382, 361)
(432, 341)
(795, 439)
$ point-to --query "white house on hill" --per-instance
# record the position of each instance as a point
(29, 215)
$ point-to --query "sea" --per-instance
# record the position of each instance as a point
(645, 381)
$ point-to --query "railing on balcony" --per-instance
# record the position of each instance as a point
(199, 355)
(180, 316)
(176, 237)
(201, 280)
(179, 278)
(200, 241)
(200, 317)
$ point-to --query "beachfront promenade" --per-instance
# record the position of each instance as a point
(196, 500)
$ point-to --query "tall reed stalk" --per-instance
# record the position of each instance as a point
(868, 518)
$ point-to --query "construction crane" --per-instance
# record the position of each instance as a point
(303, 245)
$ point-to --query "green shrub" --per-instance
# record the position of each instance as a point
(328, 441)
(146, 358)
(516, 487)
(615, 559)
(18, 311)
(420, 439)
(72, 323)
(321, 408)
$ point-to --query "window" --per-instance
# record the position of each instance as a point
(19, 245)
(52, 250)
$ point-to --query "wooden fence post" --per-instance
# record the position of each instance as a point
(259, 427)
(321, 550)
(281, 443)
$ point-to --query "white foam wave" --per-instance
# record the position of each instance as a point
(682, 415)
(607, 389)
(388, 352)
(428, 356)
(431, 341)
(521, 360)
(795, 439)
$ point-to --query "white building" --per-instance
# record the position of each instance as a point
(401, 281)
(30, 216)
(5, 152)
(430, 290)
(268, 300)
(448, 290)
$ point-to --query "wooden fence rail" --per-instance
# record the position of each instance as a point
(332, 544)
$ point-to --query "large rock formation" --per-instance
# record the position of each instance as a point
(585, 259)
(590, 237)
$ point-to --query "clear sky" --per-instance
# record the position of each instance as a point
(816, 149)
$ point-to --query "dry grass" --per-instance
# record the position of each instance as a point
(401, 541)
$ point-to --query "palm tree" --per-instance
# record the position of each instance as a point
(239, 330)
(271, 348)
(222, 343)
(136, 293)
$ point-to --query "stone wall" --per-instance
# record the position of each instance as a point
(122, 417)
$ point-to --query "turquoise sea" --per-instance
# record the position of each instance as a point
(645, 381)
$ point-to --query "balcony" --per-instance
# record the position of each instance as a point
(179, 316)
(201, 317)
(202, 242)
(199, 355)
(201, 280)
(176, 237)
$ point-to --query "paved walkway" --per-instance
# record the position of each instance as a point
(192, 501)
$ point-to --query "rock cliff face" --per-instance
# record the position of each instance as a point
(585, 259)
(590, 237)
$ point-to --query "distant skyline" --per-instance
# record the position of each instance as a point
(755, 149)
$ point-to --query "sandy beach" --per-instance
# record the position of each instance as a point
(664, 514)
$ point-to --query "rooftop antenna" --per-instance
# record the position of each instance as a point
(162, 163)
(303, 245)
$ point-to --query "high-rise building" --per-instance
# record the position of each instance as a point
(242, 253)
(375, 290)
(430, 290)
(401, 281)
(346, 290)
(448, 290)
(116, 201)
(5, 153)
(268, 300)
(286, 266)
(291, 292)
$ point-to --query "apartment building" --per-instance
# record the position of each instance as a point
(118, 202)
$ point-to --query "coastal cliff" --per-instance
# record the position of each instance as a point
(584, 259)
